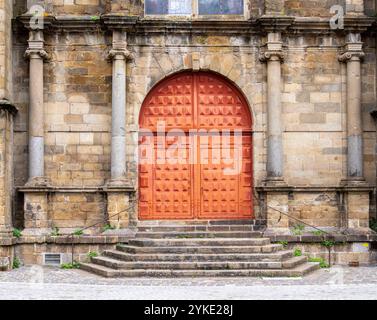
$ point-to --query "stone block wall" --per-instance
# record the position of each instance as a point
(76, 210)
(316, 208)
(78, 110)
(78, 106)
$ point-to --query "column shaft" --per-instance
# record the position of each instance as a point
(354, 121)
(274, 144)
(36, 117)
(118, 140)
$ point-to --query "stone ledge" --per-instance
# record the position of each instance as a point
(318, 239)
(308, 189)
(65, 240)
(52, 189)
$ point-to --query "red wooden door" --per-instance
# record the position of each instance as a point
(202, 169)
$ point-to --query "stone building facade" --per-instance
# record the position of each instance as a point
(73, 80)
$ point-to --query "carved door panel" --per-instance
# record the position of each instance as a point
(224, 175)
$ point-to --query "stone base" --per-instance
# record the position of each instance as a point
(276, 182)
(119, 206)
(270, 231)
(32, 232)
(276, 206)
(36, 210)
(6, 258)
(118, 209)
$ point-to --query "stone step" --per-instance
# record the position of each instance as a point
(297, 271)
(202, 249)
(195, 265)
(198, 234)
(199, 242)
(200, 222)
(254, 257)
(200, 228)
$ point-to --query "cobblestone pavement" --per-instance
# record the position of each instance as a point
(36, 282)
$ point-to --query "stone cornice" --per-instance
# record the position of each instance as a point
(72, 23)
(48, 22)
(275, 23)
(320, 25)
(120, 22)
(134, 24)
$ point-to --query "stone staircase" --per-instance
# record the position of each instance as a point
(199, 249)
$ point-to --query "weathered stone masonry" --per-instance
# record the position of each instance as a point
(87, 71)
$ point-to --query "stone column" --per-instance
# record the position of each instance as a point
(357, 192)
(7, 112)
(119, 55)
(118, 187)
(36, 55)
(352, 57)
(274, 56)
(276, 196)
(36, 189)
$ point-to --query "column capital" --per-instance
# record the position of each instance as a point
(123, 54)
(273, 48)
(351, 55)
(36, 46)
(353, 49)
(272, 55)
(42, 54)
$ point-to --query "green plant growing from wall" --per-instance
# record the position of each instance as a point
(297, 252)
(318, 233)
(298, 229)
(73, 265)
(16, 263)
(283, 243)
(322, 263)
(17, 233)
(55, 232)
(107, 227)
(92, 254)
(78, 232)
(328, 244)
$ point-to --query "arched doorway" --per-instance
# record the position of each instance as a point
(192, 126)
